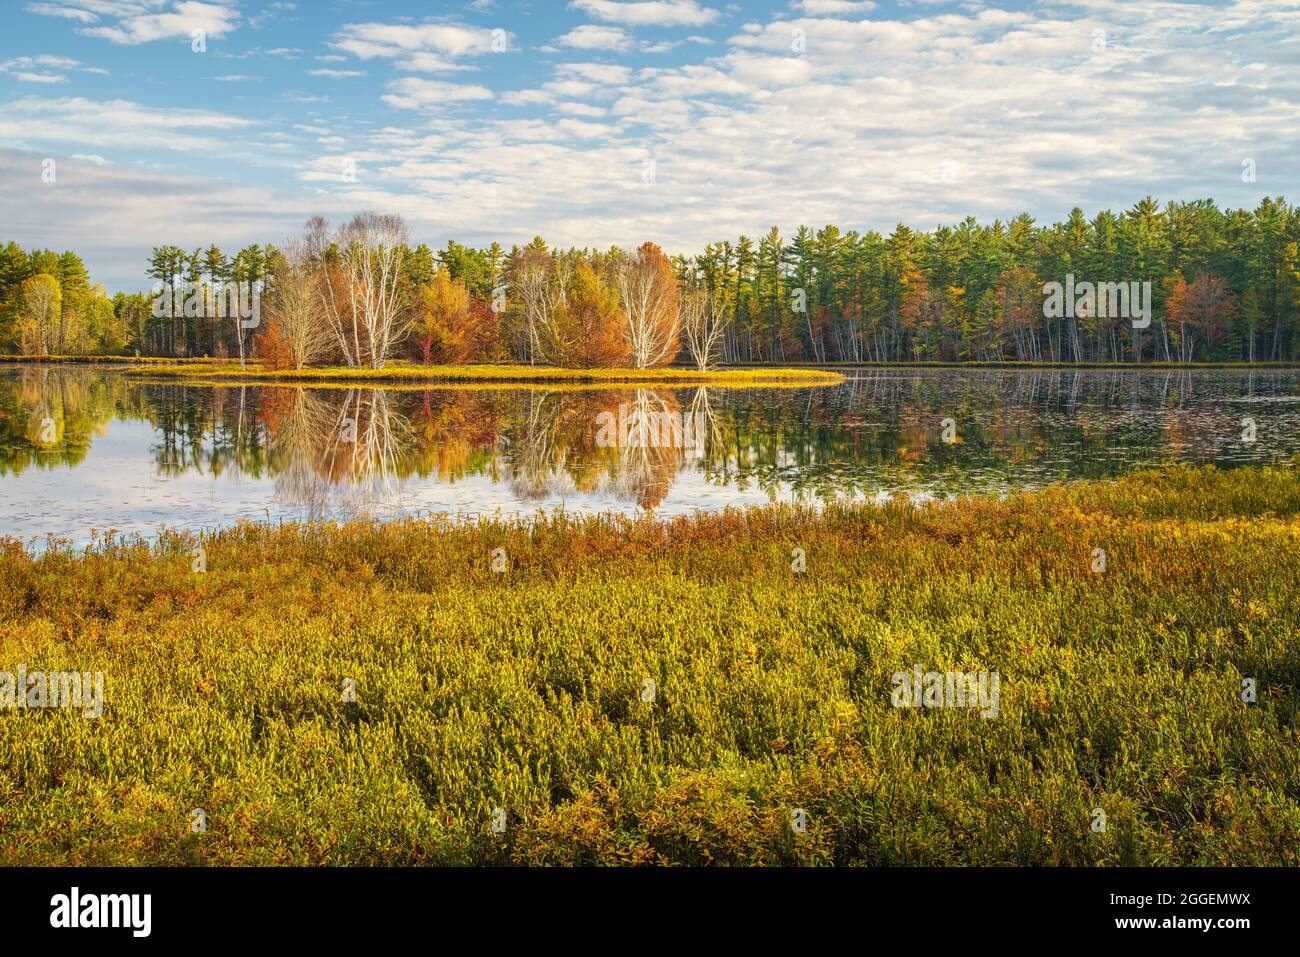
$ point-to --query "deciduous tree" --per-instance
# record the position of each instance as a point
(647, 291)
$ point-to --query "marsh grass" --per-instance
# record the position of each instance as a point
(412, 372)
(101, 360)
(522, 690)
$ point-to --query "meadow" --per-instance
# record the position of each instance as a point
(676, 692)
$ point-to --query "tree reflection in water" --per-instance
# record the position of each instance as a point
(337, 452)
(344, 451)
(50, 415)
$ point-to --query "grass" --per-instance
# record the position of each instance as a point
(412, 372)
(99, 360)
(523, 689)
(219, 370)
(461, 386)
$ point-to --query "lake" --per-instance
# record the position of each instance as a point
(85, 449)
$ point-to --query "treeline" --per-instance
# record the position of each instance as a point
(49, 306)
(1224, 286)
(361, 294)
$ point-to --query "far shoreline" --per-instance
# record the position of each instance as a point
(405, 372)
(412, 373)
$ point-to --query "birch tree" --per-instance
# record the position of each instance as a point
(704, 325)
(295, 308)
(648, 291)
(360, 285)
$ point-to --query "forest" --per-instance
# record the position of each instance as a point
(1225, 287)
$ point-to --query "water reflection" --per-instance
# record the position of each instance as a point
(336, 452)
(134, 453)
(48, 417)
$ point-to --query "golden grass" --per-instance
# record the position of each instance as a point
(408, 372)
(526, 689)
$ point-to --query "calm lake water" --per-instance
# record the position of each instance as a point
(84, 449)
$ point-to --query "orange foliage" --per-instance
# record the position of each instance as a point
(486, 325)
(1202, 307)
(443, 322)
(275, 350)
(591, 328)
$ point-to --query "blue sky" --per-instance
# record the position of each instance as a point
(598, 122)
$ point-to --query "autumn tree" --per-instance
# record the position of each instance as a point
(298, 332)
(533, 283)
(1199, 308)
(587, 331)
(105, 331)
(648, 293)
(919, 310)
(76, 301)
(361, 285)
(442, 320)
(39, 313)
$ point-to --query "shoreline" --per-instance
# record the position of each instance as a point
(214, 372)
(804, 373)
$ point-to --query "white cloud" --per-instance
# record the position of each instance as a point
(61, 10)
(35, 121)
(44, 60)
(614, 40)
(604, 74)
(581, 109)
(570, 87)
(112, 214)
(336, 74)
(185, 17)
(591, 37)
(648, 13)
(368, 40)
(25, 68)
(427, 62)
(413, 93)
(40, 78)
(822, 8)
(585, 130)
(527, 98)
(763, 71)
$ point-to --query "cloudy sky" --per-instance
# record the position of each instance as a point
(598, 122)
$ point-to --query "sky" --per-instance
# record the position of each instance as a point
(126, 124)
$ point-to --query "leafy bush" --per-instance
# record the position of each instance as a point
(525, 689)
